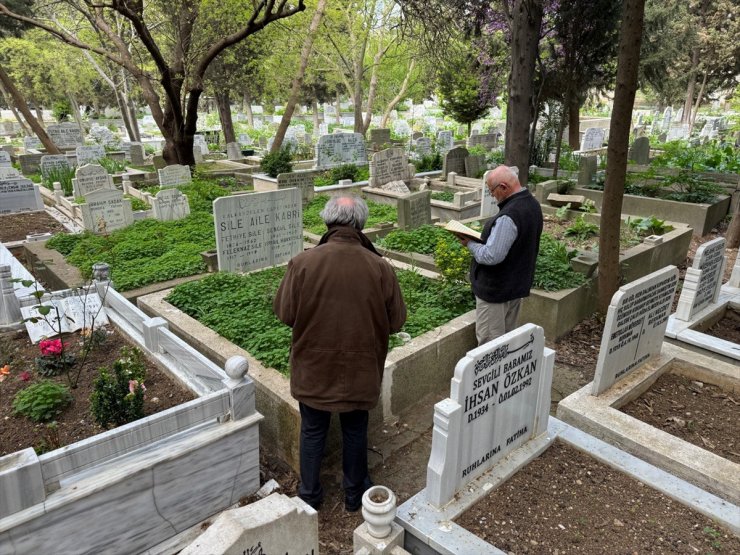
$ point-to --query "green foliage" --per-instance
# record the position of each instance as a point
(239, 308)
(63, 176)
(61, 110)
(378, 213)
(452, 259)
(429, 162)
(459, 91)
(423, 239)
(118, 393)
(568, 160)
(49, 366)
(137, 203)
(345, 171)
(445, 196)
(42, 400)
(553, 271)
(581, 229)
(708, 157)
(649, 226)
(112, 166)
(562, 213)
(275, 163)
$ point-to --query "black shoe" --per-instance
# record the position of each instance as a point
(352, 503)
(315, 505)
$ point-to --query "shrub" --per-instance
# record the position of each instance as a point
(63, 176)
(553, 271)
(112, 166)
(118, 395)
(423, 239)
(275, 163)
(42, 401)
(581, 229)
(61, 110)
(429, 162)
(452, 259)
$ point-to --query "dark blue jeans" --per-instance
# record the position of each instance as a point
(314, 429)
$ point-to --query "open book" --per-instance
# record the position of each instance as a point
(75, 313)
(457, 228)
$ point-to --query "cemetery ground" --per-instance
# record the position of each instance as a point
(17, 226)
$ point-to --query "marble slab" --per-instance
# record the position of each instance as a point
(174, 175)
(338, 149)
(703, 280)
(388, 165)
(415, 210)
(106, 210)
(89, 154)
(170, 204)
(89, 178)
(18, 194)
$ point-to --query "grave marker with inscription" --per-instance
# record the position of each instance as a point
(388, 165)
(380, 137)
(398, 187)
(174, 175)
(445, 141)
(486, 140)
(593, 138)
(18, 194)
(703, 280)
(301, 180)
(258, 230)
(32, 143)
(415, 210)
(137, 154)
(639, 153)
(499, 400)
(474, 165)
(88, 154)
(89, 178)
(488, 204)
(454, 161)
(9, 173)
(65, 135)
(5, 159)
(423, 146)
(170, 204)
(106, 210)
(343, 148)
(52, 162)
(635, 325)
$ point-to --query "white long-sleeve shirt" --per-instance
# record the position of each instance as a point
(499, 242)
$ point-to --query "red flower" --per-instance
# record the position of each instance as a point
(51, 347)
(24, 376)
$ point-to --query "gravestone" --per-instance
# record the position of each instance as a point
(593, 138)
(454, 161)
(88, 154)
(274, 525)
(488, 204)
(499, 400)
(174, 175)
(635, 325)
(102, 135)
(9, 173)
(52, 162)
(423, 146)
(380, 137)
(734, 280)
(170, 204)
(32, 143)
(159, 162)
(667, 116)
(301, 180)
(587, 166)
(474, 165)
(30, 163)
(233, 151)
(390, 164)
(344, 148)
(416, 135)
(324, 129)
(258, 230)
(415, 210)
(445, 141)
(65, 135)
(106, 210)
(18, 194)
(398, 187)
(677, 132)
(89, 178)
(200, 142)
(137, 154)
(5, 160)
(197, 155)
(486, 140)
(639, 153)
(703, 280)
(401, 128)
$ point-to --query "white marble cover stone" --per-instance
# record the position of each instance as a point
(19, 195)
(593, 138)
(106, 210)
(17, 271)
(170, 204)
(635, 325)
(88, 154)
(9, 173)
(50, 162)
(89, 178)
(391, 164)
(499, 400)
(174, 175)
(276, 524)
(398, 187)
(703, 280)
(76, 313)
(258, 230)
(343, 148)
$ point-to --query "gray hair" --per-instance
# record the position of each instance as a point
(347, 210)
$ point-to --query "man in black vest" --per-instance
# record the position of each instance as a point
(502, 270)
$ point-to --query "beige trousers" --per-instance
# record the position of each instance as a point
(493, 320)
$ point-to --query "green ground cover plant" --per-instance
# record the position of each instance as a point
(345, 171)
(683, 187)
(553, 271)
(423, 239)
(312, 222)
(280, 161)
(42, 401)
(239, 307)
(719, 157)
(112, 166)
(445, 196)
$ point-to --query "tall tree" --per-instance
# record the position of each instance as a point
(188, 37)
(630, 36)
(459, 90)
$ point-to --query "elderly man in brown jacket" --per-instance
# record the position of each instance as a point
(342, 301)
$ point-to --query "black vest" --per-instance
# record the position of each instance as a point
(512, 278)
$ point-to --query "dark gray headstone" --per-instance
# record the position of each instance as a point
(415, 210)
(587, 166)
(639, 152)
(455, 161)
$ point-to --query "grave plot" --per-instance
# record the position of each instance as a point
(631, 359)
(381, 215)
(486, 441)
(16, 227)
(706, 319)
(166, 471)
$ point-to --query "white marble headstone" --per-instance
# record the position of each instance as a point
(65, 135)
(51, 162)
(174, 175)
(258, 230)
(5, 160)
(9, 173)
(593, 138)
(106, 210)
(170, 204)
(488, 204)
(499, 400)
(635, 325)
(19, 195)
(445, 141)
(703, 280)
(388, 165)
(423, 146)
(200, 141)
(677, 132)
(32, 143)
(401, 128)
(89, 178)
(343, 148)
(88, 154)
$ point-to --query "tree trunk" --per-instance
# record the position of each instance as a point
(76, 112)
(125, 116)
(396, 99)
(20, 103)
(574, 123)
(372, 90)
(699, 98)
(558, 143)
(733, 232)
(298, 79)
(130, 109)
(16, 115)
(338, 115)
(525, 31)
(315, 110)
(224, 113)
(686, 116)
(247, 107)
(630, 37)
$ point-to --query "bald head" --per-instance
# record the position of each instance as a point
(347, 210)
(502, 182)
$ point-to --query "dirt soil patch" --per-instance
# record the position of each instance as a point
(700, 413)
(567, 502)
(76, 422)
(728, 328)
(15, 227)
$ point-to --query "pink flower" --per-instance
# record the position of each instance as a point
(24, 376)
(51, 347)
(133, 385)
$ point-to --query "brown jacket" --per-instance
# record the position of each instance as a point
(342, 301)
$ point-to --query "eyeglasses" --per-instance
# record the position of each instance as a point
(496, 187)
